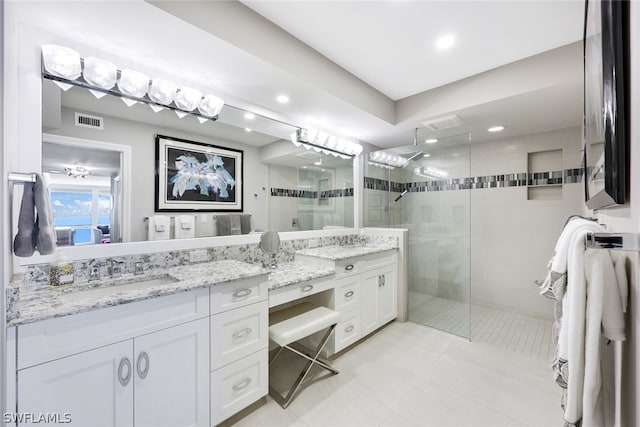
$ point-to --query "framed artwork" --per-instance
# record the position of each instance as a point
(197, 177)
(605, 133)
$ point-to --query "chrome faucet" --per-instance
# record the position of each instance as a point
(139, 269)
(115, 268)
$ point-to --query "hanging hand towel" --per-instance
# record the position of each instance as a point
(44, 230)
(24, 243)
(235, 224)
(159, 227)
(185, 226)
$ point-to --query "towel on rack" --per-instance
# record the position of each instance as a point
(184, 226)
(245, 223)
(159, 227)
(45, 228)
(235, 224)
(35, 222)
(588, 288)
(24, 243)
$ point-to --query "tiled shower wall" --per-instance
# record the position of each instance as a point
(477, 235)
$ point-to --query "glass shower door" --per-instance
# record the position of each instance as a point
(430, 196)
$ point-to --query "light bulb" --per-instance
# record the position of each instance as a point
(133, 83)
(61, 61)
(210, 105)
(162, 91)
(188, 99)
(99, 72)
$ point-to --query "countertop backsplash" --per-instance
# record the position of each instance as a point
(38, 274)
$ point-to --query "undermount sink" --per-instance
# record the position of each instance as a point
(132, 285)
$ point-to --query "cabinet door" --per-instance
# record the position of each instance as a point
(94, 388)
(387, 296)
(172, 376)
(371, 284)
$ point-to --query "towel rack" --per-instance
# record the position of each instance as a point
(617, 241)
(21, 177)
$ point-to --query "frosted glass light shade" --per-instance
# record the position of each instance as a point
(210, 105)
(61, 61)
(162, 91)
(100, 72)
(188, 99)
(133, 83)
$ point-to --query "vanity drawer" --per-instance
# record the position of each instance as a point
(348, 331)
(236, 294)
(238, 385)
(238, 333)
(59, 337)
(299, 290)
(347, 293)
(348, 267)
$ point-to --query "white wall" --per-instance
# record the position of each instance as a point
(141, 138)
(512, 238)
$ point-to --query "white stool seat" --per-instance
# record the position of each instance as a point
(297, 322)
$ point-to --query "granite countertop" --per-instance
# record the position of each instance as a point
(34, 303)
(335, 253)
(290, 273)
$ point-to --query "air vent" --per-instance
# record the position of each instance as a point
(443, 123)
(87, 121)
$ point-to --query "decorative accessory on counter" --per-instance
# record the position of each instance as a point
(61, 274)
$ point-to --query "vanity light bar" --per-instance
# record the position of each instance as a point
(380, 165)
(388, 159)
(65, 66)
(325, 143)
(430, 172)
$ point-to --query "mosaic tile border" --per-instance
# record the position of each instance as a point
(307, 194)
(566, 176)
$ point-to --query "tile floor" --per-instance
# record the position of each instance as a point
(410, 375)
(511, 332)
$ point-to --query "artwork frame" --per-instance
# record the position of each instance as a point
(605, 126)
(183, 166)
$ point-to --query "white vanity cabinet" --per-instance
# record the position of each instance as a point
(138, 364)
(365, 294)
(239, 346)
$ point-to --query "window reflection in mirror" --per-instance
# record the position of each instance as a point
(271, 163)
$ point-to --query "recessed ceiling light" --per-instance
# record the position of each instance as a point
(431, 141)
(427, 155)
(496, 128)
(249, 116)
(318, 163)
(282, 99)
(247, 129)
(445, 42)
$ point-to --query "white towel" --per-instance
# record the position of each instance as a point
(592, 302)
(159, 227)
(185, 227)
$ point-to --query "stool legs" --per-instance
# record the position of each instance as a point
(312, 360)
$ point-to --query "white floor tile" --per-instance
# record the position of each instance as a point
(408, 375)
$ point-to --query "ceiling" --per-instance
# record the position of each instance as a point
(363, 70)
(391, 45)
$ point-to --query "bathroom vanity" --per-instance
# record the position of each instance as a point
(185, 345)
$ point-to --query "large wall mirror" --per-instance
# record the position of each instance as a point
(99, 157)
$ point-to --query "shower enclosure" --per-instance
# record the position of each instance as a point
(425, 188)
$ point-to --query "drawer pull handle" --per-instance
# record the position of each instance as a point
(242, 334)
(143, 357)
(124, 363)
(307, 288)
(242, 293)
(348, 328)
(348, 294)
(242, 384)
(349, 267)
